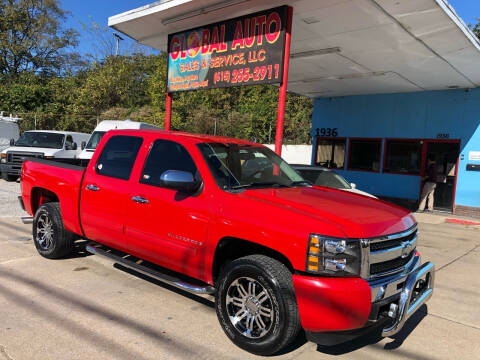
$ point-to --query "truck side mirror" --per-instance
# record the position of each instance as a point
(12, 142)
(179, 180)
(353, 185)
(74, 146)
(83, 145)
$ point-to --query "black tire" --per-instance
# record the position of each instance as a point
(48, 221)
(268, 276)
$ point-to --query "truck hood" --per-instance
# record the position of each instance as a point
(86, 154)
(357, 216)
(46, 151)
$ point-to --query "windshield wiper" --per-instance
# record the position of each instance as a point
(255, 184)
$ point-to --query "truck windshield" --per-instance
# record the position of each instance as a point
(95, 139)
(325, 178)
(41, 140)
(238, 166)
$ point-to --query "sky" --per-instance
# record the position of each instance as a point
(469, 10)
(86, 11)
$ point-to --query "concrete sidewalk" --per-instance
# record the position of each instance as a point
(437, 217)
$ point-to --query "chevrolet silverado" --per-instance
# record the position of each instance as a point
(230, 218)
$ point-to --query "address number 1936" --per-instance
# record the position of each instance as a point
(327, 132)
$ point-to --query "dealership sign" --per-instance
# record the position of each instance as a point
(241, 51)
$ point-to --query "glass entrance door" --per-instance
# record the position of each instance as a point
(445, 155)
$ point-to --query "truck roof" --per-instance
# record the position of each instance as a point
(106, 125)
(58, 132)
(201, 138)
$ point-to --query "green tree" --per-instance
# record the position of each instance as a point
(118, 81)
(32, 38)
(476, 28)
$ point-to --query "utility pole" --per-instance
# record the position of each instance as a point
(118, 37)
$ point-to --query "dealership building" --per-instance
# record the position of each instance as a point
(393, 82)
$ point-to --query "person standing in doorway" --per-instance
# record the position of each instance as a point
(430, 183)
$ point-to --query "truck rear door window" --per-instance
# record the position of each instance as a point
(166, 155)
(118, 156)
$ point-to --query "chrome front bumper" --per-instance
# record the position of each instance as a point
(417, 290)
(405, 287)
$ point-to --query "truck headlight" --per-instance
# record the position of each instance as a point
(3, 158)
(333, 256)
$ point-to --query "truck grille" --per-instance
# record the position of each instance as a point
(17, 158)
(390, 254)
(388, 244)
(390, 265)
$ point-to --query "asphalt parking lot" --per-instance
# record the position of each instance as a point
(85, 308)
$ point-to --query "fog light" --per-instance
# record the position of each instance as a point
(393, 310)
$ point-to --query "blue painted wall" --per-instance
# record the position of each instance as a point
(420, 115)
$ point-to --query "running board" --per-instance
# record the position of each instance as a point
(194, 289)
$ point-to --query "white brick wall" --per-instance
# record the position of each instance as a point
(295, 154)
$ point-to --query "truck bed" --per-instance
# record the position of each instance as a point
(61, 179)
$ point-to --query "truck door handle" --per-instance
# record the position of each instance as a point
(92, 187)
(140, 200)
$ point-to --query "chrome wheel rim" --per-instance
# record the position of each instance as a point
(249, 307)
(44, 235)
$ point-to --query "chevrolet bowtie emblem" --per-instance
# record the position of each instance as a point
(407, 248)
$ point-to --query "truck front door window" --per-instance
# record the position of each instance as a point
(166, 155)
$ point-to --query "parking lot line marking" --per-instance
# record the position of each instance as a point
(458, 258)
(17, 259)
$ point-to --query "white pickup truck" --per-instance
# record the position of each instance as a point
(41, 144)
(8, 130)
(104, 126)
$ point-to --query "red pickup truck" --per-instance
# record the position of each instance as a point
(230, 218)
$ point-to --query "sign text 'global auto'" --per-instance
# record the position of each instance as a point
(241, 51)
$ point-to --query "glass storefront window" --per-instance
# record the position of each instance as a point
(330, 153)
(403, 157)
(364, 155)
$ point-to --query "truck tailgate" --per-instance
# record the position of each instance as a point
(63, 180)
